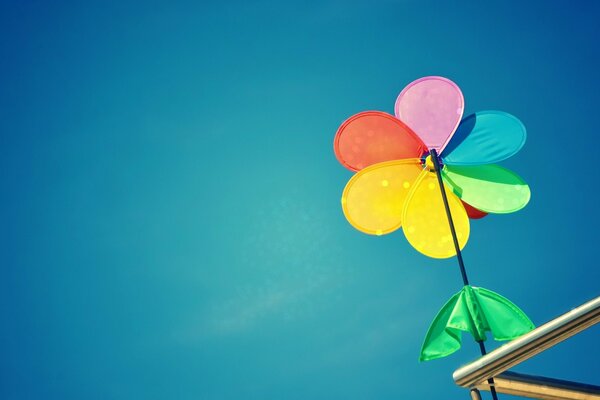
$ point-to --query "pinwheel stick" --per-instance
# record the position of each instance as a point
(438, 171)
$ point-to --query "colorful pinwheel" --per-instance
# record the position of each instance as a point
(427, 171)
(395, 186)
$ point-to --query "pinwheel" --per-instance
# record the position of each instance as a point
(396, 186)
(404, 162)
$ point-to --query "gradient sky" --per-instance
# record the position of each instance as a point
(171, 224)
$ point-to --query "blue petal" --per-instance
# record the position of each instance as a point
(485, 137)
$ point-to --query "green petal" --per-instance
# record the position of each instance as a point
(489, 188)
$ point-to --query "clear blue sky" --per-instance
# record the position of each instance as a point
(171, 225)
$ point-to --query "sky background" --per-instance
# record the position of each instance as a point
(170, 206)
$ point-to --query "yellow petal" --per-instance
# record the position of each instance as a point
(374, 198)
(425, 222)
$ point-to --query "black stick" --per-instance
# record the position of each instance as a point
(461, 264)
(438, 172)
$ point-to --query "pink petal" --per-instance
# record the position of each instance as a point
(432, 107)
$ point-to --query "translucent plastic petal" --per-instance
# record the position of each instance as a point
(374, 198)
(432, 107)
(489, 188)
(473, 212)
(485, 137)
(425, 223)
(372, 137)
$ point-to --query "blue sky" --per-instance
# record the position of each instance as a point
(170, 197)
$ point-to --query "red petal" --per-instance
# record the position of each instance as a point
(372, 137)
(472, 212)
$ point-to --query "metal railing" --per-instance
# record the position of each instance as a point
(494, 364)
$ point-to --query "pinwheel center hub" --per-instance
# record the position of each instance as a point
(429, 164)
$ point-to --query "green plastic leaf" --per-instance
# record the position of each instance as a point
(490, 188)
(477, 311)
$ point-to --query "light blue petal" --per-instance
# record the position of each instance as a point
(485, 137)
